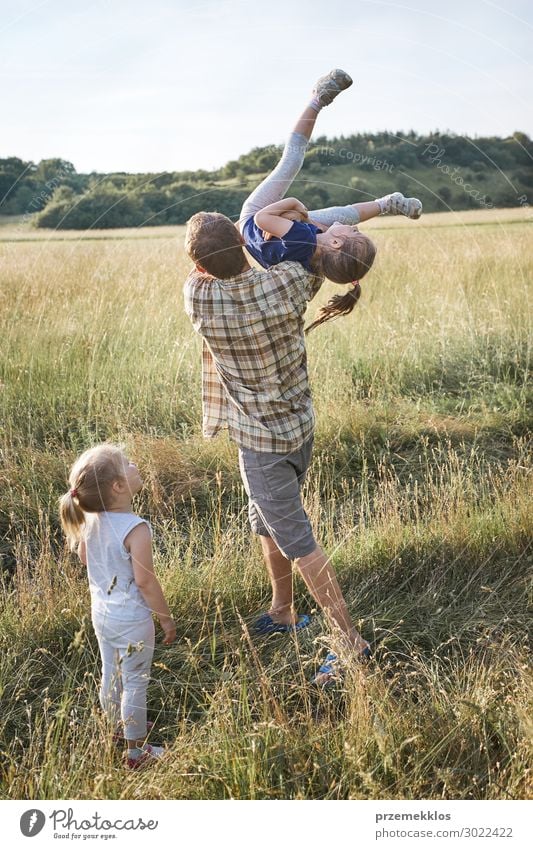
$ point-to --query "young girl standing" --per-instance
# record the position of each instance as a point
(116, 547)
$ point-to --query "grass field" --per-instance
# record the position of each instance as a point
(420, 488)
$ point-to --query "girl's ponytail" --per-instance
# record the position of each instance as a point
(346, 265)
(338, 305)
(91, 479)
(72, 518)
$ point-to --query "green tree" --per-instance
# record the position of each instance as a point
(53, 169)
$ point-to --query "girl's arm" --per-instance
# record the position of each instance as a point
(82, 552)
(139, 544)
(277, 218)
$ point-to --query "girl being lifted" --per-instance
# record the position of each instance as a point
(325, 241)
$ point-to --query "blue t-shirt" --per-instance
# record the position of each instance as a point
(297, 245)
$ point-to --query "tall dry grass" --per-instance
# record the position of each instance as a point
(420, 489)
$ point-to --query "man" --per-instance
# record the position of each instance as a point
(255, 383)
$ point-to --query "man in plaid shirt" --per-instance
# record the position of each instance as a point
(255, 383)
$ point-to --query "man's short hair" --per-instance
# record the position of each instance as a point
(213, 241)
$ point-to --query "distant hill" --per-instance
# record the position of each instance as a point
(445, 171)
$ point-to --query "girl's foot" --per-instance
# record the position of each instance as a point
(327, 88)
(138, 758)
(397, 204)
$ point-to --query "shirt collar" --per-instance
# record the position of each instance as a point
(239, 279)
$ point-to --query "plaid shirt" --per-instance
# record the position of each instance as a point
(254, 364)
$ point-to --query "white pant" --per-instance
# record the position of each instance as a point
(126, 649)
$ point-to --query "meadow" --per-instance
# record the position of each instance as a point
(420, 489)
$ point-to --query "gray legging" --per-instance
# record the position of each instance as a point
(275, 187)
(126, 649)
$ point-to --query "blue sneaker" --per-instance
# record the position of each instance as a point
(266, 625)
(332, 667)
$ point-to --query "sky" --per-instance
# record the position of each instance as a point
(169, 86)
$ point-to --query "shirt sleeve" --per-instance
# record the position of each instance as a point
(297, 245)
(188, 295)
(192, 296)
(135, 521)
(297, 284)
(254, 242)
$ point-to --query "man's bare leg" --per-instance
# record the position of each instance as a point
(321, 581)
(280, 573)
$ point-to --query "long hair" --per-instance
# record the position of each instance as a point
(337, 305)
(90, 479)
(347, 265)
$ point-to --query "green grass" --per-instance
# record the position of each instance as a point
(420, 488)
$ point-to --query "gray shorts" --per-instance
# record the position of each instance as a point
(273, 484)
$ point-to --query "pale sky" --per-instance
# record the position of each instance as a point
(168, 86)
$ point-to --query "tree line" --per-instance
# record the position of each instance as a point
(445, 170)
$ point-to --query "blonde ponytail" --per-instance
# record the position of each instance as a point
(90, 479)
(72, 519)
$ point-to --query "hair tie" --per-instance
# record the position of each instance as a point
(74, 492)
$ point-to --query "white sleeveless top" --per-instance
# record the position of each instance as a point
(111, 582)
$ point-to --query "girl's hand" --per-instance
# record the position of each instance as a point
(300, 214)
(289, 215)
(276, 218)
(169, 628)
